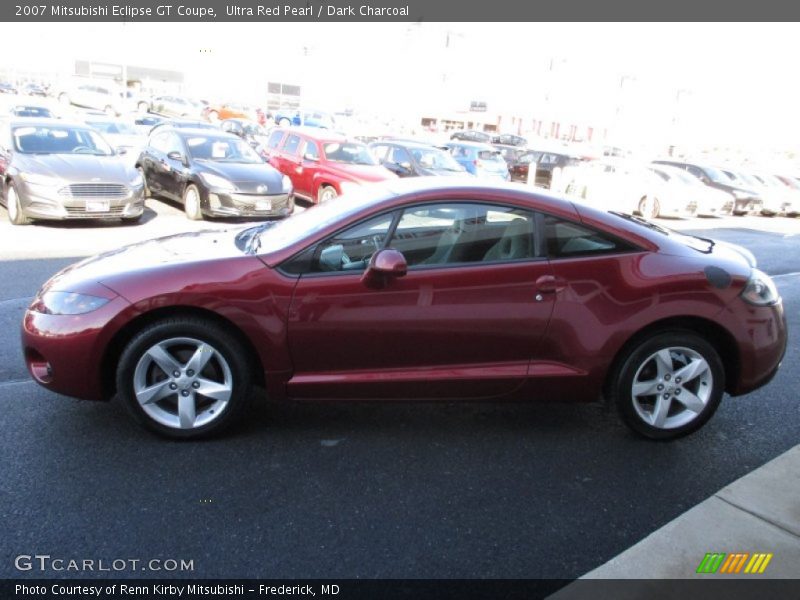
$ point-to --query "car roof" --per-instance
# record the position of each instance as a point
(318, 134)
(407, 144)
(476, 145)
(199, 131)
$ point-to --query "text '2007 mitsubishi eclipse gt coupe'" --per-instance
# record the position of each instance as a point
(433, 288)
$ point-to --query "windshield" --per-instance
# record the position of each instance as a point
(349, 152)
(431, 158)
(678, 176)
(275, 236)
(748, 180)
(221, 150)
(48, 139)
(717, 176)
(113, 127)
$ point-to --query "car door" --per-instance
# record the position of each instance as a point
(308, 168)
(465, 321)
(289, 162)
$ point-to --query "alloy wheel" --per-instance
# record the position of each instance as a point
(183, 383)
(672, 387)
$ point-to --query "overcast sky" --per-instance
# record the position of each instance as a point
(730, 82)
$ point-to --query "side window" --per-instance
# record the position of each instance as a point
(292, 142)
(174, 144)
(160, 142)
(311, 151)
(347, 251)
(400, 156)
(568, 239)
(275, 139)
(379, 152)
(463, 233)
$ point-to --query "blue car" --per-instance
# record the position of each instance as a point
(311, 118)
(482, 160)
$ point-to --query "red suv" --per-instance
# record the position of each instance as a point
(321, 164)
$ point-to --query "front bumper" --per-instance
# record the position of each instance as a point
(64, 353)
(227, 204)
(761, 335)
(81, 201)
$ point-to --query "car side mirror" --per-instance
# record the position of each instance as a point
(406, 165)
(177, 156)
(385, 265)
(122, 150)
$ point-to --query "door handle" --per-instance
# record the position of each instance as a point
(550, 284)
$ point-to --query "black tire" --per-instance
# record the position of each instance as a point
(636, 359)
(131, 220)
(192, 208)
(207, 332)
(14, 206)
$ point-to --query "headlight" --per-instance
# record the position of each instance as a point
(66, 303)
(137, 180)
(286, 184)
(760, 290)
(37, 179)
(215, 181)
(347, 186)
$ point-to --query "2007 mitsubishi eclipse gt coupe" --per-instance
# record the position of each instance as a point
(433, 288)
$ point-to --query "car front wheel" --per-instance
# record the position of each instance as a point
(191, 203)
(15, 212)
(669, 385)
(184, 378)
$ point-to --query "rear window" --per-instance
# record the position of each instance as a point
(275, 139)
(490, 155)
(566, 239)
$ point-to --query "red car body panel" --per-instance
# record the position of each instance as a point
(474, 331)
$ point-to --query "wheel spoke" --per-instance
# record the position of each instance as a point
(164, 360)
(213, 390)
(660, 411)
(663, 362)
(154, 393)
(694, 369)
(186, 410)
(200, 358)
(645, 388)
(691, 401)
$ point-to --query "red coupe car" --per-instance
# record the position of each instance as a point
(416, 288)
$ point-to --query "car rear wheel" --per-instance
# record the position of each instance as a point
(649, 207)
(326, 193)
(284, 122)
(15, 212)
(669, 385)
(213, 116)
(64, 99)
(191, 203)
(143, 107)
(185, 378)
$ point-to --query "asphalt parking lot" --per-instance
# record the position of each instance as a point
(338, 490)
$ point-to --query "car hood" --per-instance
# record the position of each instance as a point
(244, 173)
(180, 249)
(362, 173)
(77, 167)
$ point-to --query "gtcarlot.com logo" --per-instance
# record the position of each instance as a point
(46, 562)
(734, 563)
